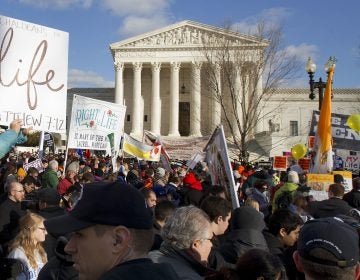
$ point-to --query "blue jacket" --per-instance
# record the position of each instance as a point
(8, 139)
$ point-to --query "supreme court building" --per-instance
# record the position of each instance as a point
(159, 78)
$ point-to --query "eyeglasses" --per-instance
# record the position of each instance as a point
(19, 190)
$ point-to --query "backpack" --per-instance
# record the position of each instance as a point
(284, 200)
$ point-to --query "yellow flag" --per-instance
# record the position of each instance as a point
(323, 160)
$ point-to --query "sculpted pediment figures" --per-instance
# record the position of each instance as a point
(185, 35)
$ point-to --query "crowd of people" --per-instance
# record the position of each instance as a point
(140, 220)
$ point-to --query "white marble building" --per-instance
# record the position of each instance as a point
(158, 77)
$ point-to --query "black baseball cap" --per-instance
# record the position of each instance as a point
(106, 203)
(332, 235)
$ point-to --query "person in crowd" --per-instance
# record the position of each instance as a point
(191, 191)
(49, 207)
(187, 243)
(122, 173)
(49, 178)
(299, 206)
(328, 248)
(259, 192)
(14, 135)
(162, 212)
(289, 187)
(9, 176)
(245, 233)
(281, 235)
(294, 166)
(253, 203)
(150, 197)
(160, 181)
(255, 264)
(215, 190)
(148, 178)
(219, 212)
(332, 206)
(60, 265)
(34, 173)
(353, 197)
(87, 178)
(29, 184)
(262, 175)
(133, 178)
(100, 172)
(70, 178)
(112, 234)
(10, 213)
(27, 245)
(20, 174)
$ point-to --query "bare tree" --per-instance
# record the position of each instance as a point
(242, 75)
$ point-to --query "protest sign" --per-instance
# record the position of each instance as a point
(343, 136)
(219, 165)
(319, 184)
(92, 121)
(36, 163)
(185, 147)
(347, 160)
(33, 76)
(304, 163)
(280, 163)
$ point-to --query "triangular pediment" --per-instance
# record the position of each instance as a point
(186, 34)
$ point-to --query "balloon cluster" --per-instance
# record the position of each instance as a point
(298, 151)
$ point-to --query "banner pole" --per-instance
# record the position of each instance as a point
(41, 144)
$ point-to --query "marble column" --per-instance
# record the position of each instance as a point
(259, 127)
(155, 98)
(215, 101)
(195, 100)
(136, 122)
(174, 99)
(119, 83)
(237, 111)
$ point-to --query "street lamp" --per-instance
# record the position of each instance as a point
(320, 85)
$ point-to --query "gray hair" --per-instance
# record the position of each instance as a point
(53, 164)
(186, 225)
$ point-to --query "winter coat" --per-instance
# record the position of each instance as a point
(328, 208)
(353, 198)
(141, 269)
(60, 266)
(8, 139)
(245, 234)
(49, 179)
(287, 187)
(183, 263)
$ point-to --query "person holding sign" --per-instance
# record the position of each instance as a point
(12, 136)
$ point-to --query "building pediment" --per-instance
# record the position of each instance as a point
(186, 34)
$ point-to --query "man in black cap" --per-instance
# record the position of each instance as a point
(111, 234)
(328, 248)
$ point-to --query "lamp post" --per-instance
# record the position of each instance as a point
(320, 85)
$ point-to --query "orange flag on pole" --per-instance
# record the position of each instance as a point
(323, 162)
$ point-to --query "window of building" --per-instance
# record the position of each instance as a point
(145, 118)
(294, 128)
(127, 118)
